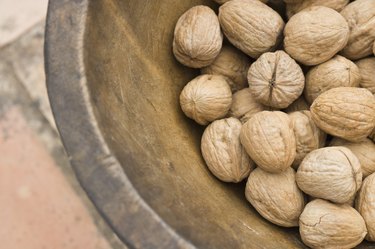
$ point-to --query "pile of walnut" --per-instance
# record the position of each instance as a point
(296, 99)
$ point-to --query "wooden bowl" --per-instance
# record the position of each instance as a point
(114, 86)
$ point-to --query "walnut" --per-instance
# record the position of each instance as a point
(308, 136)
(275, 196)
(364, 151)
(197, 37)
(224, 1)
(206, 98)
(251, 26)
(345, 112)
(233, 64)
(336, 72)
(367, 68)
(372, 135)
(365, 204)
(360, 16)
(315, 35)
(331, 173)
(293, 8)
(299, 105)
(244, 105)
(222, 150)
(269, 140)
(328, 225)
(275, 79)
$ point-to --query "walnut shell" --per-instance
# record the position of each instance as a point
(327, 225)
(197, 37)
(330, 173)
(222, 150)
(251, 26)
(372, 135)
(367, 68)
(364, 151)
(315, 35)
(268, 138)
(224, 1)
(360, 16)
(275, 79)
(335, 72)
(244, 105)
(233, 64)
(308, 136)
(293, 8)
(299, 105)
(275, 196)
(365, 204)
(345, 112)
(206, 98)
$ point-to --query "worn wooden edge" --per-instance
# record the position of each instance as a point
(98, 171)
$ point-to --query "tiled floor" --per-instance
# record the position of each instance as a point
(41, 202)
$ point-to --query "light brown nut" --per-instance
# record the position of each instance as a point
(373, 49)
(275, 196)
(335, 72)
(206, 98)
(299, 105)
(308, 136)
(292, 9)
(346, 112)
(331, 226)
(372, 135)
(365, 204)
(275, 79)
(364, 151)
(233, 64)
(293, 1)
(367, 68)
(360, 16)
(244, 105)
(197, 37)
(269, 140)
(251, 26)
(222, 150)
(315, 35)
(330, 173)
(224, 1)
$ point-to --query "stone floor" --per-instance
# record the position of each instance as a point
(42, 204)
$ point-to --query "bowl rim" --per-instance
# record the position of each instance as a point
(97, 169)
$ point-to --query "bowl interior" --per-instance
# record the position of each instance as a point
(134, 82)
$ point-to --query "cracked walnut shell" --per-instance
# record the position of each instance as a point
(276, 196)
(275, 79)
(315, 35)
(251, 26)
(197, 37)
(324, 224)
(330, 173)
(346, 112)
(365, 204)
(244, 105)
(222, 150)
(206, 98)
(268, 138)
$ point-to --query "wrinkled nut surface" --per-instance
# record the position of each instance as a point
(363, 150)
(326, 225)
(275, 196)
(345, 112)
(293, 8)
(275, 79)
(222, 150)
(233, 64)
(367, 68)
(330, 173)
(336, 72)
(315, 35)
(360, 16)
(206, 98)
(365, 204)
(251, 26)
(224, 1)
(372, 135)
(308, 136)
(299, 105)
(244, 105)
(197, 37)
(268, 138)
